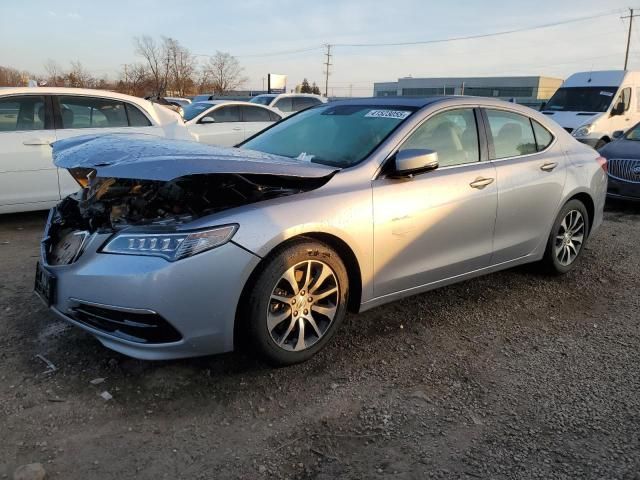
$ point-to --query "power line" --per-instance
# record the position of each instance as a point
(482, 35)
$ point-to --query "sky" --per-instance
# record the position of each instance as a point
(100, 36)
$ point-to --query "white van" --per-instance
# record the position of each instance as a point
(593, 105)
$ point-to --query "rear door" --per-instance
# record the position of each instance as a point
(255, 119)
(85, 115)
(438, 224)
(285, 105)
(226, 129)
(28, 177)
(531, 171)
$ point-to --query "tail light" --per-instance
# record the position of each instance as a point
(603, 163)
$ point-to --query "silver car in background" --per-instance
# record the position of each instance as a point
(175, 249)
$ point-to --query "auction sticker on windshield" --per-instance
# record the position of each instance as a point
(395, 114)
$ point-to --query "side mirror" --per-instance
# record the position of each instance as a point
(618, 109)
(207, 120)
(542, 105)
(618, 134)
(414, 160)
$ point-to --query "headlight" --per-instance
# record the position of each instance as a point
(170, 246)
(583, 131)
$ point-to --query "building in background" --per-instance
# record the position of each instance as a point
(530, 91)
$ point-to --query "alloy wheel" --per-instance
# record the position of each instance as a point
(570, 237)
(303, 305)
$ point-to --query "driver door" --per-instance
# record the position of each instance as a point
(439, 224)
(625, 120)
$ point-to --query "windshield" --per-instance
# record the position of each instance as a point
(633, 133)
(263, 99)
(341, 135)
(581, 99)
(195, 109)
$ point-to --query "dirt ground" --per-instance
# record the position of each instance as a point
(511, 376)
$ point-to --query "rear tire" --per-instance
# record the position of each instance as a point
(567, 238)
(296, 302)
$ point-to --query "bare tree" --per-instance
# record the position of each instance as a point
(54, 72)
(78, 77)
(10, 77)
(182, 66)
(222, 73)
(156, 56)
(135, 79)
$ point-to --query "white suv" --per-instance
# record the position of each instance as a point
(289, 103)
(32, 118)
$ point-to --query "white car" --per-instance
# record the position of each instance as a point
(289, 103)
(227, 123)
(33, 118)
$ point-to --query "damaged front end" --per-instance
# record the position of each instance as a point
(112, 200)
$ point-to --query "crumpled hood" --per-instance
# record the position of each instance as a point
(146, 157)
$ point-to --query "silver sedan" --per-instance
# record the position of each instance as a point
(174, 249)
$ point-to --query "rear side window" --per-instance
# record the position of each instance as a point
(512, 134)
(543, 136)
(255, 114)
(22, 113)
(274, 116)
(92, 112)
(226, 114)
(300, 103)
(136, 117)
(284, 104)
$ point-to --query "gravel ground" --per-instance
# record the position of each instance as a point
(511, 376)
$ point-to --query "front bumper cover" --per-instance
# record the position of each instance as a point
(196, 296)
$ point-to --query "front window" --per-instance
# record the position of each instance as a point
(337, 135)
(581, 99)
(263, 99)
(195, 109)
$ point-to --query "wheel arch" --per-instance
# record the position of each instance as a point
(588, 203)
(347, 255)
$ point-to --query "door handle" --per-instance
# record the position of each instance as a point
(237, 129)
(481, 182)
(38, 141)
(547, 167)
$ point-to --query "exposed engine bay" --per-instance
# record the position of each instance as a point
(110, 204)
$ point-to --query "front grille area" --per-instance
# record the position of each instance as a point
(134, 327)
(624, 169)
(568, 129)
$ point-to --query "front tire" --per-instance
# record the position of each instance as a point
(567, 238)
(296, 303)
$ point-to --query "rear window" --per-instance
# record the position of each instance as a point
(92, 112)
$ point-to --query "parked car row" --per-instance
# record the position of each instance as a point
(31, 119)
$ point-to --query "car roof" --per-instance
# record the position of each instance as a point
(392, 101)
(73, 91)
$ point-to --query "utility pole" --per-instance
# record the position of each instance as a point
(630, 17)
(327, 64)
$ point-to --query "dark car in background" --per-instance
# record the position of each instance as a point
(623, 158)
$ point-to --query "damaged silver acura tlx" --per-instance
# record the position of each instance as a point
(174, 249)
